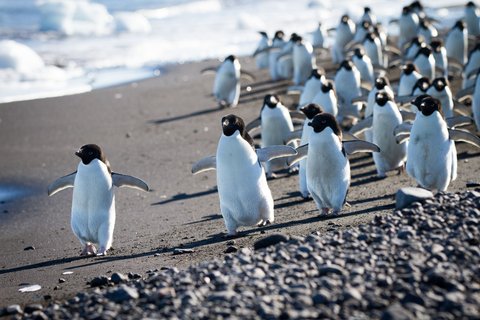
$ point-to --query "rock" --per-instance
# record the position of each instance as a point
(182, 251)
(118, 278)
(406, 196)
(123, 293)
(397, 312)
(270, 241)
(61, 280)
(99, 281)
(330, 268)
(29, 248)
(13, 309)
(231, 249)
(32, 307)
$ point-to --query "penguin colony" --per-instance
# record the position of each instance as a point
(393, 93)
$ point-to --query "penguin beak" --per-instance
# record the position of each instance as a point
(78, 153)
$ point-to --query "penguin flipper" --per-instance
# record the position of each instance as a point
(253, 125)
(294, 135)
(247, 75)
(361, 126)
(122, 180)
(461, 109)
(62, 183)
(458, 121)
(402, 129)
(465, 136)
(362, 98)
(472, 73)
(407, 115)
(295, 90)
(273, 152)
(464, 93)
(209, 70)
(302, 152)
(297, 115)
(401, 138)
(205, 164)
(354, 146)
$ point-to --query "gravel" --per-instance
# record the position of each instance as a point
(419, 262)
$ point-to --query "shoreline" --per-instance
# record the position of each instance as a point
(154, 130)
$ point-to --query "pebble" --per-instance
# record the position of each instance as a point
(408, 195)
(29, 248)
(420, 262)
(182, 251)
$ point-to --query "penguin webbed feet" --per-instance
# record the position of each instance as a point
(88, 250)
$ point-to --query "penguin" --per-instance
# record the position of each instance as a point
(327, 98)
(347, 84)
(386, 116)
(226, 87)
(472, 67)
(456, 43)
(425, 62)
(420, 88)
(93, 201)
(278, 43)
(440, 90)
(408, 25)
(408, 79)
(440, 55)
(285, 59)
(476, 103)
(245, 198)
(311, 87)
(328, 168)
(472, 17)
(303, 61)
(364, 65)
(381, 33)
(368, 16)
(413, 47)
(310, 111)
(431, 153)
(345, 34)
(381, 84)
(318, 36)
(427, 30)
(261, 53)
(361, 31)
(276, 124)
(373, 49)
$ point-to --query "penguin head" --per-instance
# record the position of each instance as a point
(440, 83)
(325, 120)
(406, 10)
(470, 4)
(417, 102)
(271, 101)
(346, 64)
(279, 34)
(311, 110)
(409, 68)
(381, 83)
(436, 45)
(423, 83)
(295, 37)
(326, 86)
(371, 36)
(345, 19)
(429, 105)
(418, 40)
(460, 25)
(425, 51)
(365, 25)
(232, 123)
(359, 52)
(381, 98)
(317, 73)
(89, 152)
(231, 58)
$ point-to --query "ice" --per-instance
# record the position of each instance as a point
(19, 57)
(131, 22)
(32, 288)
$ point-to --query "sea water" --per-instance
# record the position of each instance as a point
(58, 47)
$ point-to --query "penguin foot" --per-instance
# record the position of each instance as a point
(325, 211)
(102, 252)
(381, 175)
(401, 169)
(294, 169)
(271, 176)
(89, 250)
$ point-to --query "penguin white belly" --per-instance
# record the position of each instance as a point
(430, 159)
(391, 155)
(348, 88)
(328, 101)
(311, 88)
(93, 204)
(303, 62)
(245, 198)
(274, 132)
(456, 45)
(302, 172)
(405, 86)
(328, 171)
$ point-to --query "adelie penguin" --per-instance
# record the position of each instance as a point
(328, 168)
(456, 43)
(93, 201)
(345, 34)
(364, 65)
(261, 53)
(347, 84)
(245, 198)
(327, 98)
(408, 79)
(431, 152)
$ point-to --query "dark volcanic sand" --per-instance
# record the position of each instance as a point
(154, 130)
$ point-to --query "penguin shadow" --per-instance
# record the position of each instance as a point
(467, 155)
(207, 218)
(185, 196)
(291, 203)
(372, 199)
(364, 174)
(186, 116)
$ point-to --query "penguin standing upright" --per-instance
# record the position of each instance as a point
(303, 61)
(345, 33)
(364, 65)
(245, 198)
(412, 48)
(277, 44)
(327, 98)
(311, 87)
(381, 84)
(285, 59)
(425, 62)
(373, 49)
(472, 17)
(361, 31)
(471, 68)
(261, 53)
(427, 30)
(408, 79)
(347, 84)
(440, 55)
(310, 111)
(408, 26)
(318, 36)
(440, 90)
(328, 169)
(226, 87)
(456, 43)
(93, 201)
(476, 102)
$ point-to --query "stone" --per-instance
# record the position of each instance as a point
(408, 195)
(29, 248)
(118, 278)
(99, 281)
(231, 249)
(123, 293)
(270, 241)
